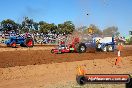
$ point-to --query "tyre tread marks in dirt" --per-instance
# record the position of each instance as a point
(29, 42)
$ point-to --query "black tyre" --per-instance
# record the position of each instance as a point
(71, 51)
(8, 45)
(98, 47)
(22, 45)
(52, 51)
(110, 48)
(104, 48)
(129, 85)
(82, 48)
(29, 42)
(80, 79)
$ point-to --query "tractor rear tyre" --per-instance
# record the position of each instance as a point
(29, 42)
(82, 48)
(13, 45)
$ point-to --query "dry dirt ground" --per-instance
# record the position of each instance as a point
(37, 68)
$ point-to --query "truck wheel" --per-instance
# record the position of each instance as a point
(29, 42)
(80, 79)
(98, 47)
(104, 49)
(110, 48)
(82, 48)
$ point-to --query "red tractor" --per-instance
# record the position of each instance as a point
(75, 46)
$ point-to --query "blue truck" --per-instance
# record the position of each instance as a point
(105, 44)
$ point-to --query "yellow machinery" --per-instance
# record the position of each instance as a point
(90, 30)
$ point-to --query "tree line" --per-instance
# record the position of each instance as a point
(29, 25)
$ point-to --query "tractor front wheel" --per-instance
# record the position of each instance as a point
(52, 51)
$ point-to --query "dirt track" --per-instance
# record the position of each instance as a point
(41, 55)
(37, 68)
(62, 75)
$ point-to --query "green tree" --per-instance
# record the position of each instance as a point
(46, 27)
(8, 25)
(67, 27)
(43, 27)
(36, 25)
(29, 25)
(53, 28)
(61, 28)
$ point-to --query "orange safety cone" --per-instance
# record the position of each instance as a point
(120, 47)
(118, 60)
(80, 70)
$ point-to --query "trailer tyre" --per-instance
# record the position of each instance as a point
(110, 48)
